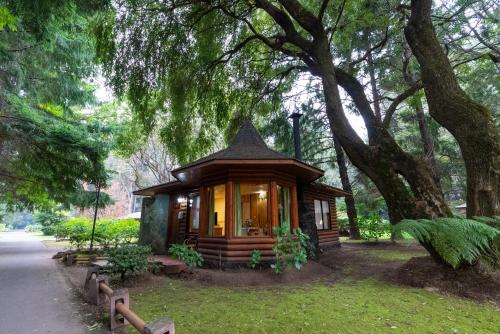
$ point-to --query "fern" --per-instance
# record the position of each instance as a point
(456, 241)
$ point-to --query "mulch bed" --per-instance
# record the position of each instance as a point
(473, 282)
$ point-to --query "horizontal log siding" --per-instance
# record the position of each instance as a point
(236, 249)
(327, 238)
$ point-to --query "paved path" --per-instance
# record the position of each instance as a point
(34, 295)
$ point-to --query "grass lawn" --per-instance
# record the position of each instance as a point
(353, 304)
(366, 306)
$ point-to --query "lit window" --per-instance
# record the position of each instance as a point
(322, 214)
(251, 216)
(194, 213)
(216, 210)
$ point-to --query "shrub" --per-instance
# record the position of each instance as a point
(373, 227)
(255, 258)
(182, 252)
(49, 220)
(2, 227)
(125, 230)
(79, 231)
(104, 232)
(33, 228)
(128, 259)
(490, 221)
(290, 249)
(455, 241)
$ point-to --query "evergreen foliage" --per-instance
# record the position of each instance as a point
(47, 146)
(455, 241)
(128, 259)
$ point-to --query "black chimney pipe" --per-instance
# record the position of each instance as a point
(296, 134)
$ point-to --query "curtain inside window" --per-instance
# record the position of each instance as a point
(211, 213)
(237, 209)
(317, 214)
(326, 214)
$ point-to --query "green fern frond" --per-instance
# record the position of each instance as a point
(457, 241)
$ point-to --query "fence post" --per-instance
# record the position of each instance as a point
(118, 296)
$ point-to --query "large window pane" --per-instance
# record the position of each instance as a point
(325, 207)
(322, 214)
(284, 203)
(251, 216)
(216, 210)
(194, 213)
(317, 214)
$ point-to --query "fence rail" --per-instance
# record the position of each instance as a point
(98, 291)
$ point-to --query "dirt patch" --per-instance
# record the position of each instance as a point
(313, 271)
(472, 282)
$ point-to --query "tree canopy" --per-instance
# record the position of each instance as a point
(48, 146)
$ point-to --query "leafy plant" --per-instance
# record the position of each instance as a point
(290, 249)
(490, 221)
(255, 258)
(79, 231)
(182, 252)
(455, 241)
(128, 259)
(49, 219)
(2, 227)
(373, 227)
(33, 228)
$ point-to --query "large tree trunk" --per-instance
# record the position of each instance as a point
(426, 138)
(346, 185)
(469, 122)
(387, 165)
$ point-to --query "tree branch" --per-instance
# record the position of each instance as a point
(397, 101)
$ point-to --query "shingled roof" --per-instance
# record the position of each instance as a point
(246, 145)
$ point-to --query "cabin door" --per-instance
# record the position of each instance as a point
(185, 218)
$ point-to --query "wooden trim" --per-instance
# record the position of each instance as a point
(273, 205)
(229, 210)
(203, 211)
(295, 208)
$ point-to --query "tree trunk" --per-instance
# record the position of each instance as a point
(426, 139)
(346, 185)
(470, 123)
(387, 165)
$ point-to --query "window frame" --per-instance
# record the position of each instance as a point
(268, 208)
(322, 214)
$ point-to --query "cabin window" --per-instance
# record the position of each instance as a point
(216, 210)
(284, 205)
(194, 213)
(251, 216)
(322, 214)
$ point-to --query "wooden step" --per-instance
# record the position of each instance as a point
(168, 264)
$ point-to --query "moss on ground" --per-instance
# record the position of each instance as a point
(367, 306)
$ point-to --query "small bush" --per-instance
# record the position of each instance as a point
(128, 259)
(184, 253)
(455, 241)
(255, 258)
(290, 249)
(33, 228)
(50, 219)
(79, 231)
(2, 227)
(373, 227)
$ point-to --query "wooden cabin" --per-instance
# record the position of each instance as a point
(227, 203)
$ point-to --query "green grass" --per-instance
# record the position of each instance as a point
(389, 255)
(365, 306)
(53, 243)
